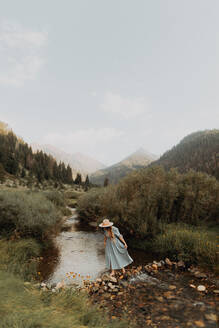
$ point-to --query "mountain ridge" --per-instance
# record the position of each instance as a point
(139, 159)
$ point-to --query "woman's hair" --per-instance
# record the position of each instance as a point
(112, 236)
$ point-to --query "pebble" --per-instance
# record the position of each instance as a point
(201, 288)
(168, 262)
(172, 287)
(199, 323)
(43, 284)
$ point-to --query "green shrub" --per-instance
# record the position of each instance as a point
(190, 244)
(19, 257)
(30, 214)
(56, 197)
(145, 199)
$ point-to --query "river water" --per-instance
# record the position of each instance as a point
(80, 254)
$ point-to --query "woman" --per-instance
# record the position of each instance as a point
(117, 256)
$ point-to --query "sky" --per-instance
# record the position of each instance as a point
(107, 77)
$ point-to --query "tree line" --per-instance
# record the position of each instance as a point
(17, 158)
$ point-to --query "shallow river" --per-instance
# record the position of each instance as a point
(81, 254)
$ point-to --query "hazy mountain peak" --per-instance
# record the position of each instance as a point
(139, 159)
(79, 162)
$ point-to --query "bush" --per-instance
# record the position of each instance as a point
(181, 242)
(145, 199)
(30, 214)
(56, 197)
(19, 257)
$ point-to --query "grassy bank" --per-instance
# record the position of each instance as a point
(28, 220)
(24, 306)
(165, 212)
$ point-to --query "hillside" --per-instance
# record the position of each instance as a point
(17, 160)
(78, 161)
(140, 159)
(198, 151)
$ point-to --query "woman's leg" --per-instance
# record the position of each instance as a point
(112, 272)
(123, 270)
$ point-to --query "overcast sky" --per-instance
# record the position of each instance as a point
(105, 77)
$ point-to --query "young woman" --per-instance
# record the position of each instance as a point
(117, 256)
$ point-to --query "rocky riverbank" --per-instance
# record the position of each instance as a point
(160, 294)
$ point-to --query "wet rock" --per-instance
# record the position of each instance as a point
(98, 280)
(169, 295)
(111, 286)
(201, 275)
(201, 288)
(113, 279)
(181, 264)
(43, 284)
(148, 268)
(53, 290)
(211, 317)
(168, 262)
(160, 298)
(60, 285)
(154, 266)
(27, 283)
(192, 286)
(172, 287)
(199, 323)
(124, 283)
(105, 288)
(216, 291)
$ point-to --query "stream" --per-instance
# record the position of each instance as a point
(80, 253)
(162, 298)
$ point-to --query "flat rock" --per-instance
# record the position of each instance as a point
(172, 287)
(200, 275)
(181, 264)
(201, 288)
(211, 316)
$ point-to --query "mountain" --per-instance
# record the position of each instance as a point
(139, 159)
(78, 162)
(198, 151)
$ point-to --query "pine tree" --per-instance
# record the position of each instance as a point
(2, 173)
(78, 179)
(106, 182)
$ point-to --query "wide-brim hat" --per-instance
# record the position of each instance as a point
(106, 223)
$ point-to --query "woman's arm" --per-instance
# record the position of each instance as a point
(123, 241)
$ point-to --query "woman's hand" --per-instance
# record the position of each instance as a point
(126, 246)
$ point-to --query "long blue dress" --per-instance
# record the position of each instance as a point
(117, 256)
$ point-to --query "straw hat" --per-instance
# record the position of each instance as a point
(106, 223)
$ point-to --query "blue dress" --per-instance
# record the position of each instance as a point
(117, 256)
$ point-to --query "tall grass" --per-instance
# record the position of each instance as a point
(23, 306)
(19, 257)
(190, 244)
